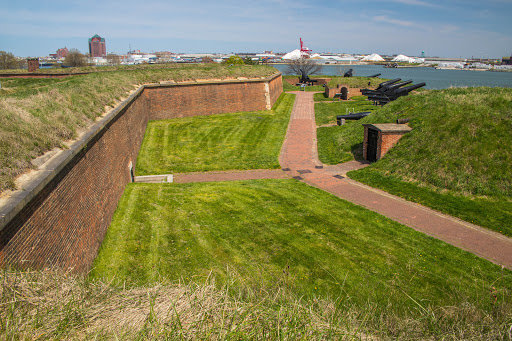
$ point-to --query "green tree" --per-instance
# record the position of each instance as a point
(75, 58)
(113, 59)
(235, 60)
(249, 61)
(8, 61)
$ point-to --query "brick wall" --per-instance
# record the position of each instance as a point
(387, 136)
(193, 99)
(387, 141)
(64, 224)
(275, 88)
(62, 219)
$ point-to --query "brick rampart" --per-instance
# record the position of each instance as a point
(61, 216)
(193, 99)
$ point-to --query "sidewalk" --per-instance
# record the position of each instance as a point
(299, 158)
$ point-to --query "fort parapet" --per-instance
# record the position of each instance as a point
(60, 217)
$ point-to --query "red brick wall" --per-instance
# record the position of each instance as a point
(63, 223)
(183, 100)
(205, 99)
(276, 89)
(387, 142)
(33, 64)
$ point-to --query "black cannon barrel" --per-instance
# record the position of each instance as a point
(348, 73)
(386, 89)
(375, 75)
(383, 84)
(392, 88)
(410, 88)
(353, 116)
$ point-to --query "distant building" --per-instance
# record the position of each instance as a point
(506, 60)
(62, 53)
(97, 47)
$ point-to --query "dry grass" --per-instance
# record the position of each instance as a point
(55, 305)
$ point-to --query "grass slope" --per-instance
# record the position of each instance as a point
(40, 114)
(353, 82)
(283, 233)
(454, 160)
(219, 142)
(326, 113)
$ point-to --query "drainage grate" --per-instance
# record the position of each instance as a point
(339, 177)
(297, 178)
(319, 167)
(286, 169)
(304, 171)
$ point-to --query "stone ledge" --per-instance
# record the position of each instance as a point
(154, 178)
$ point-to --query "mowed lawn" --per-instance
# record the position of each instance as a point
(264, 234)
(234, 141)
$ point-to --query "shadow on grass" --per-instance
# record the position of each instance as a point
(357, 151)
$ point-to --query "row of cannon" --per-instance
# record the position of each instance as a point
(390, 90)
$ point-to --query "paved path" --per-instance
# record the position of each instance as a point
(230, 175)
(299, 155)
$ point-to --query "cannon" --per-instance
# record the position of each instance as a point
(348, 73)
(304, 79)
(381, 85)
(352, 116)
(387, 90)
(383, 97)
(375, 75)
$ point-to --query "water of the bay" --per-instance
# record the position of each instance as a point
(435, 79)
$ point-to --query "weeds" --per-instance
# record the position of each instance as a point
(55, 305)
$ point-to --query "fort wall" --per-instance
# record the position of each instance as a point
(59, 218)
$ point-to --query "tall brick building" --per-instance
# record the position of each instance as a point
(97, 47)
(62, 53)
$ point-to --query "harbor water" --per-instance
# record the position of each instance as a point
(435, 79)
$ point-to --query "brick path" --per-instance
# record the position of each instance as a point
(299, 154)
(230, 175)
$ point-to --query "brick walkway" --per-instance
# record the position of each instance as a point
(299, 155)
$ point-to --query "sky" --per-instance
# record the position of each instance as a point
(445, 28)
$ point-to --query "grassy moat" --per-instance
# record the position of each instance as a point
(278, 259)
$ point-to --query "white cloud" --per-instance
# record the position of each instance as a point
(416, 3)
(383, 18)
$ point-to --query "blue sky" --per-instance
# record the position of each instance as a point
(449, 28)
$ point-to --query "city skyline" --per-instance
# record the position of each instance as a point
(450, 28)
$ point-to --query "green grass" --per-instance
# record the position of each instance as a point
(219, 142)
(356, 82)
(326, 113)
(276, 234)
(454, 159)
(40, 114)
(353, 82)
(336, 147)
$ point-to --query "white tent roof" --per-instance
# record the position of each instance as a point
(373, 58)
(295, 54)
